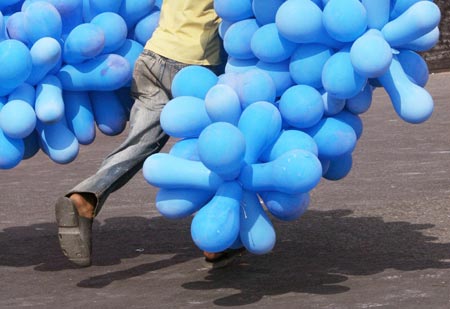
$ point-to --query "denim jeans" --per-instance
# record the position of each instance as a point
(150, 90)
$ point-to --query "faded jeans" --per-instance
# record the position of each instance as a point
(150, 90)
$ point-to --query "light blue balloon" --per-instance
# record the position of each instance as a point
(268, 45)
(339, 78)
(352, 120)
(286, 207)
(24, 92)
(49, 104)
(15, 27)
(345, 20)
(332, 105)
(296, 171)
(333, 137)
(193, 80)
(261, 125)
(266, 10)
(255, 85)
(15, 63)
(398, 7)
(411, 102)
(299, 21)
(170, 172)
(221, 147)
(58, 142)
(418, 20)
(301, 106)
(42, 19)
(103, 73)
(222, 104)
(307, 64)
(423, 43)
(371, 55)
(377, 13)
(110, 115)
(233, 10)
(181, 203)
(84, 42)
(134, 10)
(414, 66)
(79, 116)
(231, 79)
(186, 148)
(130, 50)
(184, 116)
(287, 141)
(235, 65)
(146, 26)
(361, 102)
(114, 29)
(237, 40)
(280, 74)
(223, 27)
(256, 231)
(45, 55)
(17, 119)
(11, 151)
(215, 227)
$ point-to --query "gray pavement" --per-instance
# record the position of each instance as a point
(378, 238)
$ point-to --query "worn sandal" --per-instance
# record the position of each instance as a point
(74, 232)
(225, 258)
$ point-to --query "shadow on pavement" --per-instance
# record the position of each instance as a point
(314, 254)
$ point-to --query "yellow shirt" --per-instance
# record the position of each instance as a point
(187, 32)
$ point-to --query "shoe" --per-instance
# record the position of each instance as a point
(74, 232)
(225, 258)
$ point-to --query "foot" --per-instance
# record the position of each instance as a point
(222, 259)
(74, 216)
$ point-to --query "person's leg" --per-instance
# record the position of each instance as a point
(150, 90)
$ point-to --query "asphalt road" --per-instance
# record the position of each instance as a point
(378, 238)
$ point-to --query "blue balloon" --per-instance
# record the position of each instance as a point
(256, 231)
(184, 116)
(261, 125)
(181, 203)
(299, 21)
(237, 40)
(352, 120)
(371, 55)
(411, 102)
(146, 26)
(114, 29)
(16, 64)
(31, 144)
(134, 10)
(193, 80)
(255, 85)
(97, 7)
(17, 119)
(130, 50)
(345, 20)
(215, 227)
(11, 151)
(348, 82)
(301, 106)
(419, 19)
(170, 172)
(103, 73)
(377, 13)
(235, 65)
(361, 102)
(84, 42)
(287, 141)
(45, 55)
(307, 64)
(222, 104)
(49, 104)
(332, 105)
(42, 19)
(268, 45)
(280, 74)
(286, 207)
(414, 66)
(221, 147)
(296, 171)
(266, 10)
(398, 7)
(333, 137)
(339, 167)
(186, 148)
(79, 116)
(15, 28)
(109, 113)
(423, 43)
(233, 10)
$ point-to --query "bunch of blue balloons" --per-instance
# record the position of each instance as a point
(66, 68)
(285, 113)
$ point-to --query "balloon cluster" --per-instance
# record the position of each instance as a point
(66, 67)
(285, 113)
